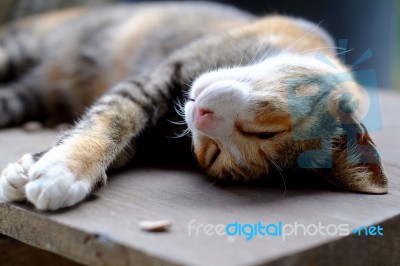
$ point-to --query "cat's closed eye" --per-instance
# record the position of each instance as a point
(266, 135)
(261, 135)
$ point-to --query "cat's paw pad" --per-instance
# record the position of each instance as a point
(53, 186)
(14, 178)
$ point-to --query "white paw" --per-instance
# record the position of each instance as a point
(52, 185)
(48, 184)
(14, 178)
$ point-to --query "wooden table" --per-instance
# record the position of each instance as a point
(104, 230)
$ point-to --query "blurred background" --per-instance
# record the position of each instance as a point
(366, 24)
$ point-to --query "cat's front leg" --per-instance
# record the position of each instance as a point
(68, 172)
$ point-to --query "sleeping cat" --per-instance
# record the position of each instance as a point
(256, 98)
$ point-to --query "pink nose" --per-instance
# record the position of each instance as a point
(204, 112)
(202, 117)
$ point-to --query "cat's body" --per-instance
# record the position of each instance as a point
(233, 69)
(86, 51)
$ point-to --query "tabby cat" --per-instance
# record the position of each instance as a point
(255, 97)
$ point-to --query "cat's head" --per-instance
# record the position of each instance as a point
(284, 113)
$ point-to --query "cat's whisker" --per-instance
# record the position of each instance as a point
(212, 184)
(184, 133)
(280, 171)
(347, 51)
(185, 83)
(314, 28)
(256, 60)
(265, 56)
(179, 107)
(243, 51)
(267, 53)
(177, 122)
(324, 48)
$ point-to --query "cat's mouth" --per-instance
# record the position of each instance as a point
(212, 157)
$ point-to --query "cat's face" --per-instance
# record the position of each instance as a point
(245, 121)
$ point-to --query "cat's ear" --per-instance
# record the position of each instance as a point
(357, 165)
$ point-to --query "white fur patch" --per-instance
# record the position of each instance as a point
(48, 184)
(52, 185)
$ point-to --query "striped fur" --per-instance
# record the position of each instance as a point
(129, 63)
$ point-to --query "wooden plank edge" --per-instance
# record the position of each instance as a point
(351, 250)
(84, 247)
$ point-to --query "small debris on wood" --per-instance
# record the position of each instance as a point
(32, 126)
(155, 226)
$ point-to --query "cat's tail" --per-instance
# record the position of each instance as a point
(19, 52)
(18, 103)
(32, 98)
(23, 42)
